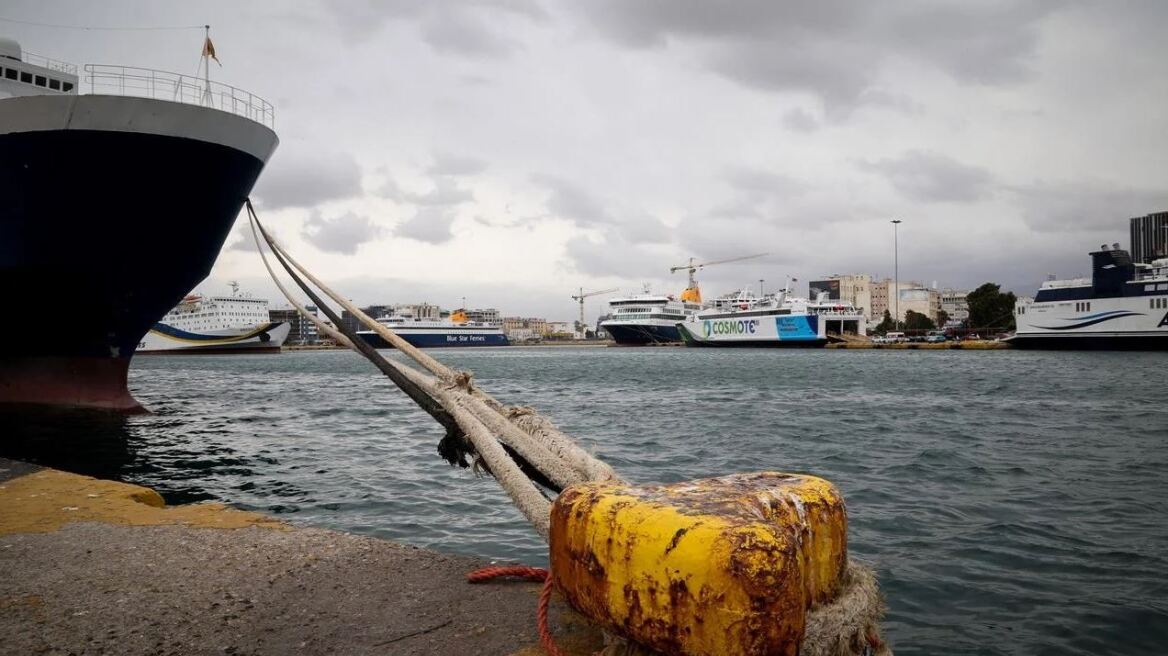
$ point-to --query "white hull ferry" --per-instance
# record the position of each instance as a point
(1123, 306)
(647, 318)
(216, 324)
(775, 320)
(428, 333)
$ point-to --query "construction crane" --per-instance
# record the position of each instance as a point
(691, 293)
(580, 297)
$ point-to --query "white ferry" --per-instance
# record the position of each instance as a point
(216, 324)
(456, 330)
(774, 320)
(647, 318)
(1123, 306)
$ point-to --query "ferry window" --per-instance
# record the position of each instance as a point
(26, 77)
(41, 80)
(66, 86)
(9, 73)
(54, 84)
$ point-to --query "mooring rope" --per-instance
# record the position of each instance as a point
(516, 445)
(549, 444)
(537, 574)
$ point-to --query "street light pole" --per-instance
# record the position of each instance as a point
(896, 270)
(760, 290)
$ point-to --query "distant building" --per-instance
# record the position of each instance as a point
(419, 310)
(303, 330)
(1149, 237)
(913, 296)
(520, 325)
(854, 288)
(954, 303)
(376, 311)
(560, 329)
(485, 315)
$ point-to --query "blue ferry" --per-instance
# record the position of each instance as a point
(456, 330)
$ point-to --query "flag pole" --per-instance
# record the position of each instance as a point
(207, 100)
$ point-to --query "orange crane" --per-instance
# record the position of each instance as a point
(694, 295)
(580, 326)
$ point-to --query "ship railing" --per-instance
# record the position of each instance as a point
(51, 64)
(176, 87)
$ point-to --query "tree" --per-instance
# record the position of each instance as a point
(917, 321)
(885, 325)
(942, 318)
(990, 308)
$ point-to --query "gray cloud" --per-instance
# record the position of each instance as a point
(766, 183)
(429, 224)
(1086, 206)
(306, 177)
(932, 177)
(465, 34)
(799, 120)
(444, 192)
(614, 256)
(570, 201)
(834, 49)
(340, 234)
(453, 165)
(467, 29)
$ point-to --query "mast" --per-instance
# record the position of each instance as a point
(207, 99)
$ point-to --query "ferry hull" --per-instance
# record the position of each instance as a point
(168, 340)
(111, 209)
(642, 334)
(438, 340)
(92, 382)
(762, 332)
(1095, 342)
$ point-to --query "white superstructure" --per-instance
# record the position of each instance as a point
(216, 323)
(646, 318)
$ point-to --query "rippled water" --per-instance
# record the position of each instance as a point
(1011, 502)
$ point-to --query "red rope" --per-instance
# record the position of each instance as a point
(545, 597)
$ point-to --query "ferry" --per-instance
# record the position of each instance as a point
(455, 330)
(217, 324)
(114, 204)
(647, 318)
(1123, 306)
(743, 319)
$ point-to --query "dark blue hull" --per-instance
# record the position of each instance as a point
(438, 340)
(101, 233)
(641, 335)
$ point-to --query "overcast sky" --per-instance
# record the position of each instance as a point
(512, 151)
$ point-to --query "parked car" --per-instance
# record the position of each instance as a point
(971, 337)
(895, 338)
(935, 336)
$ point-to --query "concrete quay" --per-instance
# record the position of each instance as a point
(101, 567)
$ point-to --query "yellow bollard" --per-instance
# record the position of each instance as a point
(723, 566)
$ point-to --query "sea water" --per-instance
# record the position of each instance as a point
(1010, 501)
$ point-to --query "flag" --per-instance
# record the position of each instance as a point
(209, 50)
